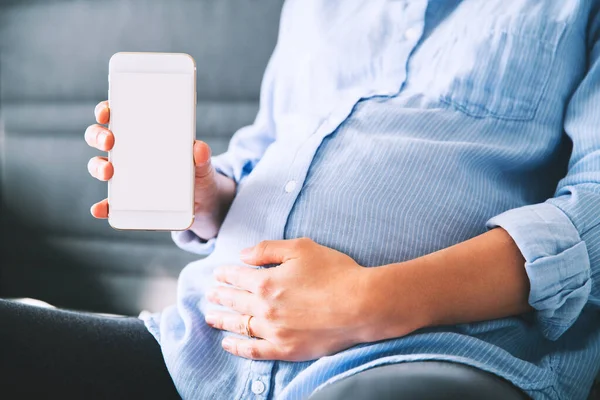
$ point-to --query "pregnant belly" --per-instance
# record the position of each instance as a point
(388, 199)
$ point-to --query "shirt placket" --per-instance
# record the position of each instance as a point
(258, 385)
(295, 159)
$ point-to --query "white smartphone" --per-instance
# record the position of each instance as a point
(152, 102)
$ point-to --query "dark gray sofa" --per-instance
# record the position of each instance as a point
(53, 70)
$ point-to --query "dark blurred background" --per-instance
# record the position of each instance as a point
(53, 71)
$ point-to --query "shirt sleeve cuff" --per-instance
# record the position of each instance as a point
(556, 262)
(235, 169)
(222, 166)
(187, 240)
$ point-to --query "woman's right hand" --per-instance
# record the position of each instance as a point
(213, 192)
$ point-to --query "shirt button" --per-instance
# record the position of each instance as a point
(290, 186)
(258, 387)
(411, 34)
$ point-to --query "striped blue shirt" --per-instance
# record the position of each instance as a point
(391, 129)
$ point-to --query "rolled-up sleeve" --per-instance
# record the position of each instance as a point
(556, 261)
(245, 150)
(189, 241)
(560, 238)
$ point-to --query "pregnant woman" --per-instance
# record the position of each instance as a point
(421, 187)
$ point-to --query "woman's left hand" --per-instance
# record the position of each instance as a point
(311, 305)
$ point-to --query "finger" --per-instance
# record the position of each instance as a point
(272, 251)
(202, 155)
(251, 349)
(102, 112)
(246, 278)
(99, 137)
(100, 209)
(100, 168)
(238, 300)
(236, 323)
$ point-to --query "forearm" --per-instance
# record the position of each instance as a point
(207, 223)
(481, 279)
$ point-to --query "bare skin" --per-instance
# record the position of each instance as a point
(213, 192)
(318, 301)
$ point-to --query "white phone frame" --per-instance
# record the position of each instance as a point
(154, 63)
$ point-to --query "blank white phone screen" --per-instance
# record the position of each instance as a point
(151, 117)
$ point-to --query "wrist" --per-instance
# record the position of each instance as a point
(209, 218)
(396, 304)
(204, 226)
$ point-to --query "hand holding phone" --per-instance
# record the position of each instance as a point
(208, 187)
(101, 168)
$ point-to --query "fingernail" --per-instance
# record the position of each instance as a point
(210, 319)
(101, 139)
(227, 343)
(246, 252)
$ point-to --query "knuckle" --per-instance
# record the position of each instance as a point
(276, 293)
(241, 327)
(296, 245)
(205, 174)
(262, 248)
(235, 348)
(252, 352)
(231, 303)
(264, 287)
(270, 313)
(279, 334)
(304, 242)
(226, 301)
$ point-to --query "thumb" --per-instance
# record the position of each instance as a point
(202, 155)
(268, 252)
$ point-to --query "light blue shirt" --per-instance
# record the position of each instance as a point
(391, 129)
